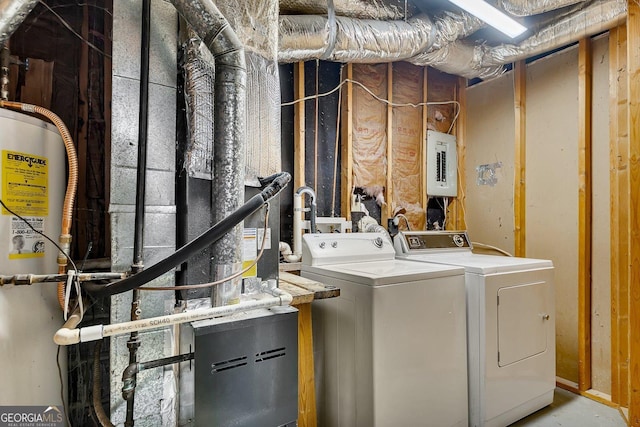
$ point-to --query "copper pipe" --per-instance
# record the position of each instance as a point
(72, 184)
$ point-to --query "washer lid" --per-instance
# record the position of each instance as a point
(384, 272)
(482, 264)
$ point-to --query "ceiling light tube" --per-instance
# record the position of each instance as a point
(491, 16)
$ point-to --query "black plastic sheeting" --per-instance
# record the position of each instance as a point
(320, 152)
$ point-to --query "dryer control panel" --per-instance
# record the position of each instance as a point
(407, 242)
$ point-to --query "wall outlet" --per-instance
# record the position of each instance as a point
(442, 165)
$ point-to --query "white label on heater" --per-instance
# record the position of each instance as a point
(23, 241)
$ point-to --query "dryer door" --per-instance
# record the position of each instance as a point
(523, 314)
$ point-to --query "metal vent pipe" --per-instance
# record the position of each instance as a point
(230, 119)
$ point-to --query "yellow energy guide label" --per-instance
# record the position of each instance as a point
(25, 179)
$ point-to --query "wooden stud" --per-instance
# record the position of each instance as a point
(619, 218)
(388, 212)
(306, 382)
(519, 188)
(347, 147)
(584, 214)
(299, 133)
(633, 67)
(461, 148)
(423, 146)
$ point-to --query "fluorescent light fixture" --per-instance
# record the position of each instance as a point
(491, 16)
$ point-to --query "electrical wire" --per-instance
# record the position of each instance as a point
(226, 279)
(70, 28)
(40, 233)
(495, 248)
(384, 101)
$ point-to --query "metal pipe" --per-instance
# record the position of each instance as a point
(4, 71)
(141, 185)
(230, 117)
(130, 372)
(30, 279)
(12, 14)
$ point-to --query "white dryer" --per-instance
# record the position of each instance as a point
(511, 325)
(391, 349)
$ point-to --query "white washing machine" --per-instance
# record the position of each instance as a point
(511, 325)
(391, 349)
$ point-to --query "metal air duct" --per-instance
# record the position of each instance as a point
(12, 14)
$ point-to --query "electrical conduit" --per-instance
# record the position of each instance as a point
(72, 185)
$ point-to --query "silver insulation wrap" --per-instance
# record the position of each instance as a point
(256, 24)
(12, 14)
(533, 7)
(362, 9)
(199, 88)
(471, 61)
(229, 111)
(305, 37)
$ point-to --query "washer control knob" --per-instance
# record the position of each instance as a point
(322, 245)
(378, 242)
(334, 244)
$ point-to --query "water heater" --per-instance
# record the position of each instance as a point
(32, 184)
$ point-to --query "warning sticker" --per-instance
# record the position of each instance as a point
(23, 241)
(24, 183)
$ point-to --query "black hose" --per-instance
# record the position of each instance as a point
(196, 245)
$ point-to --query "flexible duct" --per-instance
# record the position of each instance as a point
(363, 9)
(305, 37)
(72, 185)
(533, 7)
(12, 14)
(230, 115)
(483, 61)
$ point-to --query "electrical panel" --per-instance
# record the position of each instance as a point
(442, 165)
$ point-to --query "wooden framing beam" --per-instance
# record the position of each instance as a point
(633, 67)
(618, 153)
(83, 138)
(423, 146)
(584, 213)
(461, 148)
(299, 133)
(387, 212)
(519, 187)
(346, 183)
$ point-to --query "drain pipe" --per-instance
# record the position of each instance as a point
(229, 124)
(298, 220)
(138, 239)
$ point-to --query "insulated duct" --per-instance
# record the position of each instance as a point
(362, 9)
(533, 7)
(12, 14)
(306, 37)
(230, 116)
(467, 60)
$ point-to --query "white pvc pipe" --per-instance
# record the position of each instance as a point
(285, 251)
(69, 335)
(297, 224)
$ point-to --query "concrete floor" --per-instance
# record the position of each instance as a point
(571, 410)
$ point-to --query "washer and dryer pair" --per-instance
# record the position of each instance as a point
(454, 339)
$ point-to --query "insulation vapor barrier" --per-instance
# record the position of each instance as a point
(407, 142)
